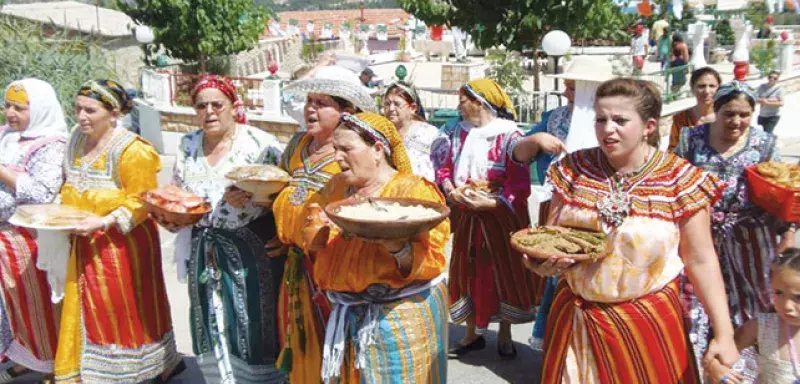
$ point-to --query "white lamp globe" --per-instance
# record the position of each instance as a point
(143, 34)
(556, 43)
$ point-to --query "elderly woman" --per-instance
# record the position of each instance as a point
(232, 286)
(402, 106)
(303, 308)
(379, 287)
(487, 278)
(704, 84)
(115, 321)
(32, 146)
(653, 207)
(745, 237)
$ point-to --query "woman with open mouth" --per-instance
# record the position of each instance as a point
(230, 282)
(614, 315)
(309, 159)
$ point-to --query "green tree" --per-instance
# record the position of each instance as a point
(521, 24)
(195, 30)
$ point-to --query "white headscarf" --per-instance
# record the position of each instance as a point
(46, 119)
(47, 116)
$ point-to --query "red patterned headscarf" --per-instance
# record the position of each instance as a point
(224, 85)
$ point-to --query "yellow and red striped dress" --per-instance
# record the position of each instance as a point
(619, 319)
(115, 324)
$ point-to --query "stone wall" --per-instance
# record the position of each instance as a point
(185, 123)
(454, 75)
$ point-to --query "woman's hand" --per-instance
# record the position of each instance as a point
(553, 266)
(719, 373)
(478, 201)
(723, 349)
(547, 143)
(787, 240)
(89, 226)
(275, 248)
(236, 197)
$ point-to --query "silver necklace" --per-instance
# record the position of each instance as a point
(615, 207)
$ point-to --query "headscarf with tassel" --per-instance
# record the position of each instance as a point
(381, 129)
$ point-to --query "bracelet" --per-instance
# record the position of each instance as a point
(403, 252)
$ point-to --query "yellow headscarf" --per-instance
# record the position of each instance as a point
(381, 129)
(492, 95)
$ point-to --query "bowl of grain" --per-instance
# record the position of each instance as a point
(386, 217)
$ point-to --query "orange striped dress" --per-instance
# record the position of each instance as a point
(115, 323)
(619, 319)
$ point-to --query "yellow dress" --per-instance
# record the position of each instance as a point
(302, 308)
(349, 265)
(115, 323)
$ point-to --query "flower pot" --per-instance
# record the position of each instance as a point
(740, 70)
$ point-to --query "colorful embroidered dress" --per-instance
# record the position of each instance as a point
(115, 321)
(33, 320)
(406, 315)
(487, 277)
(619, 319)
(233, 287)
(745, 237)
(303, 308)
(418, 144)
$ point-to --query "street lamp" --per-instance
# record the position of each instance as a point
(556, 43)
(144, 35)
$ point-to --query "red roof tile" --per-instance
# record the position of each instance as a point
(393, 18)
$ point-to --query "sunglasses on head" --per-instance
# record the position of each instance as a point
(215, 105)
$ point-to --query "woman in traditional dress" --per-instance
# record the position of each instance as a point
(488, 280)
(303, 308)
(745, 237)
(31, 158)
(115, 318)
(402, 106)
(233, 288)
(382, 290)
(618, 319)
(704, 84)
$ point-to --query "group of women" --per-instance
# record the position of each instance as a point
(270, 303)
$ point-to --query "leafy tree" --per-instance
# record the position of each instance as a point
(520, 24)
(194, 30)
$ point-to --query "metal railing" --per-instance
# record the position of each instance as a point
(664, 80)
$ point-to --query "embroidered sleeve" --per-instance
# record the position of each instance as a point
(562, 176)
(138, 167)
(517, 185)
(695, 190)
(271, 154)
(178, 177)
(43, 176)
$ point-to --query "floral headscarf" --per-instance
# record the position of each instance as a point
(738, 87)
(224, 85)
(108, 92)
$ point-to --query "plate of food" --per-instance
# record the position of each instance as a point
(173, 205)
(262, 181)
(560, 242)
(48, 216)
(386, 217)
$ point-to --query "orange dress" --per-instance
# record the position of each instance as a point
(349, 265)
(679, 120)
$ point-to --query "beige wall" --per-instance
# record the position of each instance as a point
(182, 123)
